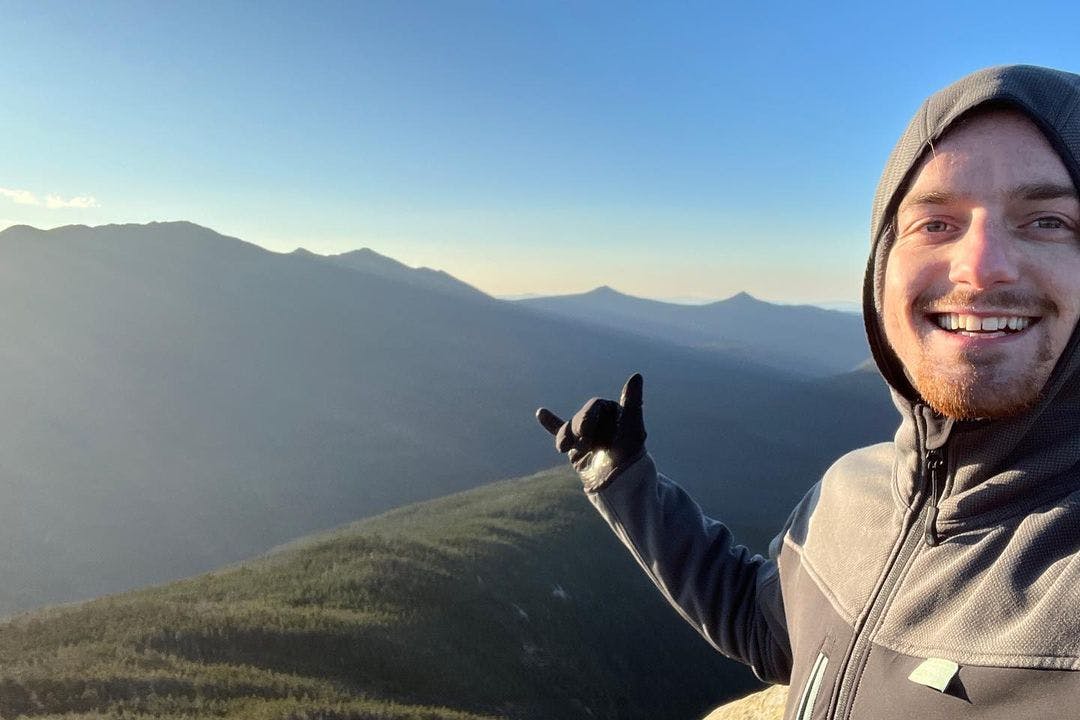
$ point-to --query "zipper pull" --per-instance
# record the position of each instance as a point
(934, 463)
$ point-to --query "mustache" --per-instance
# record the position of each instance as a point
(1014, 301)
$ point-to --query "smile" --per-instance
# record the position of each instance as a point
(961, 323)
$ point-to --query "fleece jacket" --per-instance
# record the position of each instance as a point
(935, 576)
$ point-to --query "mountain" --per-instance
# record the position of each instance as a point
(172, 400)
(794, 338)
(368, 261)
(512, 601)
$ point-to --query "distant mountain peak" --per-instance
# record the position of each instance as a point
(159, 224)
(176, 224)
(13, 229)
(365, 251)
(367, 255)
(743, 297)
(172, 230)
(369, 261)
(140, 227)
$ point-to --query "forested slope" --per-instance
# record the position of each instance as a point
(513, 600)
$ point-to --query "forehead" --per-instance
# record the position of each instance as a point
(990, 151)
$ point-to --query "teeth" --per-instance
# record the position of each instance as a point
(972, 323)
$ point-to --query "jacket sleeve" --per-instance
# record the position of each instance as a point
(730, 596)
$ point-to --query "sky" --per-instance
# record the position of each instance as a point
(679, 150)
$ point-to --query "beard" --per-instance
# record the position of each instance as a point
(981, 383)
(976, 388)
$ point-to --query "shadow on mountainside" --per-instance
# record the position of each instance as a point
(513, 600)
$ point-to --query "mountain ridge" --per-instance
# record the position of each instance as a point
(368, 260)
(803, 339)
(176, 400)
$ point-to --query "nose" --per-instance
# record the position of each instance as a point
(983, 255)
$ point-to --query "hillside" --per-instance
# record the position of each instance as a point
(799, 339)
(172, 400)
(509, 601)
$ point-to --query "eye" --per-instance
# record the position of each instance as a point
(1049, 223)
(929, 228)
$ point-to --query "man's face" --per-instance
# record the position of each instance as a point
(982, 284)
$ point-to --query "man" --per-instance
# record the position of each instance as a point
(937, 576)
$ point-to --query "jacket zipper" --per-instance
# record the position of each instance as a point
(933, 462)
(809, 695)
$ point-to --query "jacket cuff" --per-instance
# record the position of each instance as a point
(633, 467)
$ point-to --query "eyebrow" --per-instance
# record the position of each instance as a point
(932, 197)
(1028, 191)
(1043, 191)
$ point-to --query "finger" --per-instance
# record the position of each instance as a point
(595, 423)
(549, 420)
(564, 438)
(632, 422)
(632, 392)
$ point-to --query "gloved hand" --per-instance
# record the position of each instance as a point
(603, 437)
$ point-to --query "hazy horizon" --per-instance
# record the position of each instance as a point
(836, 304)
(673, 152)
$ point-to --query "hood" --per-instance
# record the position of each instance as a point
(1001, 465)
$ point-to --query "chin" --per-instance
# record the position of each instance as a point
(972, 397)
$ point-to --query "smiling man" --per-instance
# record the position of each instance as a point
(936, 576)
(982, 283)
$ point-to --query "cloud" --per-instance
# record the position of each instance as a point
(53, 202)
(80, 201)
(21, 197)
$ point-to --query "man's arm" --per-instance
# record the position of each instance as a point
(731, 596)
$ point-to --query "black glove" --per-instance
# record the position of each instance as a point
(603, 437)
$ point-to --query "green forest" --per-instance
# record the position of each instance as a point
(509, 601)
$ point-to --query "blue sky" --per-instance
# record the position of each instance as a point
(674, 149)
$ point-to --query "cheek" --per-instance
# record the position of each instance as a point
(907, 276)
(1064, 289)
(898, 293)
(896, 324)
(914, 272)
(1070, 314)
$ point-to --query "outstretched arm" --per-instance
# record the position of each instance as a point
(729, 595)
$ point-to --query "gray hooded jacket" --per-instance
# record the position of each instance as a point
(937, 576)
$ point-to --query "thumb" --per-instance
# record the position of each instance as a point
(632, 420)
(631, 398)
